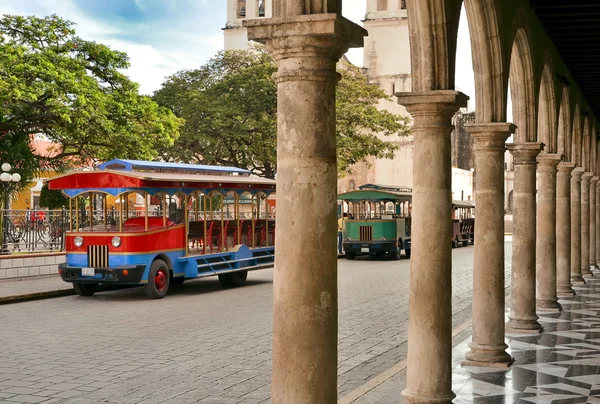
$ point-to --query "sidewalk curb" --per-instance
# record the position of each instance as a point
(36, 296)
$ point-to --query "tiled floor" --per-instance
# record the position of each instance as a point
(560, 365)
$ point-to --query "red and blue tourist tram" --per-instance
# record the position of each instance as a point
(156, 224)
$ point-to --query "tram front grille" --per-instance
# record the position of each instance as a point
(366, 233)
(97, 256)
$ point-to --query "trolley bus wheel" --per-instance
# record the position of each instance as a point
(233, 279)
(85, 289)
(350, 255)
(158, 280)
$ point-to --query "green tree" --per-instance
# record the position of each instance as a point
(52, 199)
(230, 111)
(74, 92)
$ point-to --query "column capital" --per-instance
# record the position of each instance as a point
(566, 167)
(548, 161)
(525, 153)
(306, 47)
(432, 103)
(490, 135)
(577, 173)
(587, 176)
(594, 180)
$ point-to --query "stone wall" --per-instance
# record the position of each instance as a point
(24, 266)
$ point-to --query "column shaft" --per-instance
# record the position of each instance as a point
(429, 372)
(585, 224)
(545, 245)
(597, 226)
(563, 229)
(522, 317)
(305, 310)
(488, 347)
(593, 186)
(576, 175)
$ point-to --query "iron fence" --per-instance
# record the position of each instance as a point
(33, 231)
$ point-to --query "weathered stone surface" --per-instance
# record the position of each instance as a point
(488, 347)
(522, 317)
(563, 229)
(429, 372)
(545, 244)
(305, 310)
(593, 235)
(576, 175)
(585, 223)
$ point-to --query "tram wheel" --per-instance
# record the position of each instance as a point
(350, 255)
(158, 280)
(85, 289)
(233, 279)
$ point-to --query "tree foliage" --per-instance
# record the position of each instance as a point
(230, 111)
(52, 199)
(74, 92)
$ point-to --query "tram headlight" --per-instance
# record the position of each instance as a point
(383, 238)
(116, 241)
(348, 238)
(78, 241)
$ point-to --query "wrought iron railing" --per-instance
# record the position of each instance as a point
(33, 231)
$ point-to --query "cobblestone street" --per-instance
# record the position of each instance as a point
(201, 343)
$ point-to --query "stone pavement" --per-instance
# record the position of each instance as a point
(33, 288)
(202, 343)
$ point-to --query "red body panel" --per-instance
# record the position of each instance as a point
(132, 241)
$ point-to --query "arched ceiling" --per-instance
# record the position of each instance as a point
(574, 28)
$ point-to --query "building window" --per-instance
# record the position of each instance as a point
(402, 4)
(261, 8)
(241, 8)
(381, 5)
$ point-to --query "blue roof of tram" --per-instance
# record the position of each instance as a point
(139, 165)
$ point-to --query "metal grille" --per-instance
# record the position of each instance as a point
(366, 233)
(98, 256)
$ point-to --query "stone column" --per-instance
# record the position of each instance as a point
(593, 186)
(563, 230)
(305, 310)
(488, 347)
(585, 224)
(429, 370)
(522, 317)
(576, 175)
(597, 226)
(545, 245)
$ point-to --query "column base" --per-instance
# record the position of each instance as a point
(551, 306)
(488, 356)
(523, 325)
(564, 291)
(577, 279)
(422, 398)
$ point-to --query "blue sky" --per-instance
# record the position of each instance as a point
(162, 37)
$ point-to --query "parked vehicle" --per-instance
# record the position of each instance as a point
(168, 222)
(463, 223)
(376, 221)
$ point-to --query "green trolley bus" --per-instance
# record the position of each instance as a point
(376, 221)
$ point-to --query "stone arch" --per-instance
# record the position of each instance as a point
(488, 63)
(433, 29)
(546, 123)
(564, 125)
(576, 137)
(522, 88)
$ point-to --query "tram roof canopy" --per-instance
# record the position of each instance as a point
(115, 182)
(375, 196)
(381, 187)
(161, 166)
(463, 204)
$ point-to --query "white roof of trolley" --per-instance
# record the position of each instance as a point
(161, 166)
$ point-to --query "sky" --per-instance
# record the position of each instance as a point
(162, 37)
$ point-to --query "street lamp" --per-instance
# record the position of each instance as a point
(5, 179)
